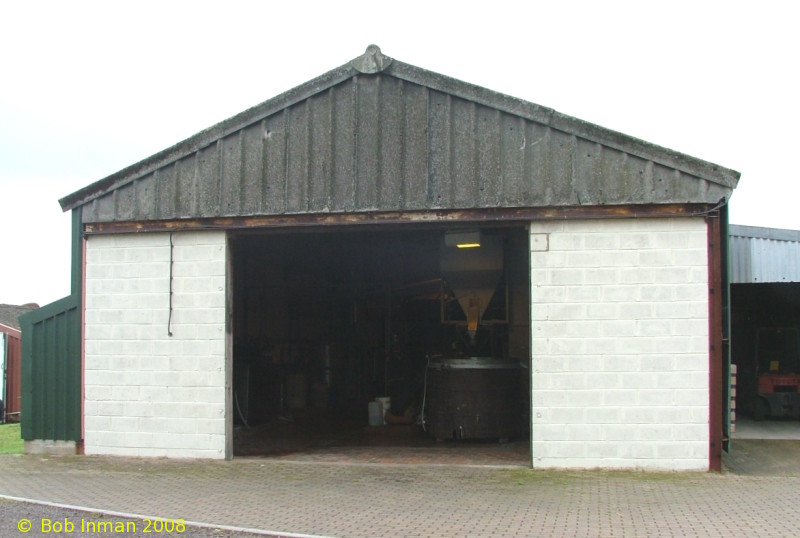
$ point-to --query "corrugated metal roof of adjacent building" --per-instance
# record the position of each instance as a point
(764, 255)
(380, 135)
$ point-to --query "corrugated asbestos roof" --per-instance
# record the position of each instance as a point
(380, 135)
(763, 255)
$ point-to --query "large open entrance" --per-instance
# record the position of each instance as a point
(411, 338)
(766, 351)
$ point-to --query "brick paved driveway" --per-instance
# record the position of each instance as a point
(355, 500)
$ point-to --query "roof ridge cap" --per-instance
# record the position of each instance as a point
(372, 61)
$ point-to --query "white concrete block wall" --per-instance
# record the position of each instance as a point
(620, 374)
(148, 393)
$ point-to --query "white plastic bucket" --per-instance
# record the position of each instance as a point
(375, 415)
(386, 405)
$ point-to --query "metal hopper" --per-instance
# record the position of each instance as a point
(471, 264)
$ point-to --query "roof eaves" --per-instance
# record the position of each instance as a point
(13, 331)
(634, 146)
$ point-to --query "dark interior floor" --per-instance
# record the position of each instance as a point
(318, 435)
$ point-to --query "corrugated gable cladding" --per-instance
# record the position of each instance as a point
(398, 139)
(764, 255)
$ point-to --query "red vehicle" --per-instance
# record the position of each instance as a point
(778, 373)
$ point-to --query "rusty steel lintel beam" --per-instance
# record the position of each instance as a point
(482, 215)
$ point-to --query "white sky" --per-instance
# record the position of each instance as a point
(88, 88)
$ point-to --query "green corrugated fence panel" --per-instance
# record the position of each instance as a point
(51, 365)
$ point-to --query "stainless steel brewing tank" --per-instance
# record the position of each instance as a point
(473, 398)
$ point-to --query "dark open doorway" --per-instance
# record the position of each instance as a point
(341, 336)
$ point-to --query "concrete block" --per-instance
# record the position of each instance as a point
(539, 242)
(97, 423)
(124, 424)
(580, 328)
(155, 424)
(637, 240)
(698, 275)
(567, 415)
(618, 328)
(695, 257)
(659, 397)
(125, 393)
(637, 275)
(619, 258)
(641, 450)
(566, 242)
(587, 433)
(600, 415)
(153, 393)
(602, 276)
(690, 432)
(590, 399)
(656, 363)
(640, 415)
(141, 409)
(583, 294)
(675, 415)
(586, 259)
(50, 447)
(569, 449)
(641, 380)
(687, 327)
(545, 397)
(138, 439)
(618, 293)
(543, 294)
(569, 381)
(566, 276)
(676, 450)
(601, 241)
(567, 311)
(692, 292)
(621, 397)
(548, 259)
(696, 397)
(211, 426)
(581, 363)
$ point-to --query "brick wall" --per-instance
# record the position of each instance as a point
(620, 343)
(148, 393)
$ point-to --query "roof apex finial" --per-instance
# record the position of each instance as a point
(372, 61)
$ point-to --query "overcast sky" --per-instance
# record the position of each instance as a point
(88, 88)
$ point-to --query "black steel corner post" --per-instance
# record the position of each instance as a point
(52, 360)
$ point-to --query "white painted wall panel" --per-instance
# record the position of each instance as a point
(148, 393)
(620, 344)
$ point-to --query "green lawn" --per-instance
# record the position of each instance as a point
(10, 440)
